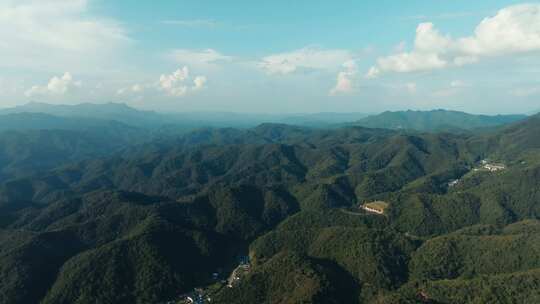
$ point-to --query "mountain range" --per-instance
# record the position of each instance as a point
(103, 219)
(189, 120)
(436, 120)
(426, 121)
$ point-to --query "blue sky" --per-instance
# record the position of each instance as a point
(273, 56)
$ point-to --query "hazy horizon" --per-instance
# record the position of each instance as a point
(273, 58)
(30, 103)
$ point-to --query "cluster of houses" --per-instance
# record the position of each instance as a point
(485, 165)
(243, 268)
(202, 296)
(196, 297)
(491, 167)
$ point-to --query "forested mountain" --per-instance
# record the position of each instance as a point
(109, 111)
(149, 119)
(436, 120)
(151, 223)
(36, 142)
(40, 121)
(23, 153)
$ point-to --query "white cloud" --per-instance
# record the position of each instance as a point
(373, 72)
(179, 83)
(410, 62)
(201, 59)
(306, 58)
(55, 33)
(199, 83)
(56, 86)
(513, 30)
(425, 56)
(134, 89)
(345, 79)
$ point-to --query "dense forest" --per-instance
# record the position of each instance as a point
(102, 211)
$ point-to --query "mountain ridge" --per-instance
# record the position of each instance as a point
(435, 120)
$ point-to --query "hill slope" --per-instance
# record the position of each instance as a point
(437, 120)
(150, 224)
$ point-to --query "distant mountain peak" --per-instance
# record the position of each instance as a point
(435, 120)
(111, 111)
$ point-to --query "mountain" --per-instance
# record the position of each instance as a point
(150, 223)
(437, 120)
(322, 119)
(168, 122)
(24, 153)
(108, 111)
(36, 142)
(39, 121)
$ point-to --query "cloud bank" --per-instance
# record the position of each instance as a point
(53, 33)
(513, 30)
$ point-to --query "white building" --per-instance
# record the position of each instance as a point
(494, 167)
(453, 183)
(374, 210)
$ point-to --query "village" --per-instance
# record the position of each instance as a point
(486, 165)
(483, 166)
(205, 295)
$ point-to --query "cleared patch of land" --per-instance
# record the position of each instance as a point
(378, 207)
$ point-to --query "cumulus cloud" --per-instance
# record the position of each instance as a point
(176, 84)
(345, 79)
(513, 30)
(54, 33)
(56, 86)
(309, 58)
(180, 83)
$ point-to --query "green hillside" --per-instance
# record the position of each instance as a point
(437, 120)
(153, 222)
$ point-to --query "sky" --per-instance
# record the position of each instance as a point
(273, 56)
